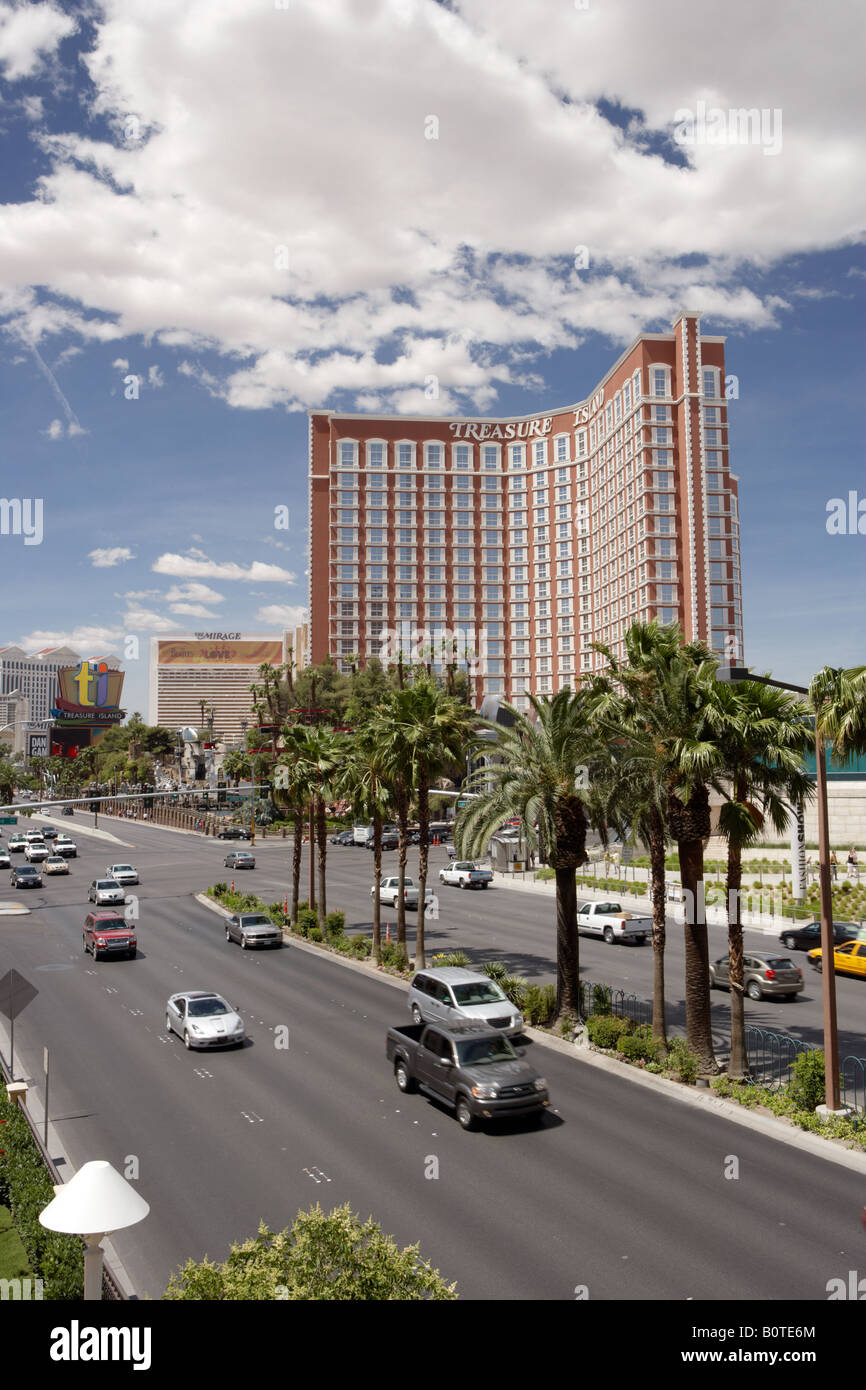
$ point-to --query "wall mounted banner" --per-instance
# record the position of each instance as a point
(217, 653)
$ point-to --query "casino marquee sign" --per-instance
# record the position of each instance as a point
(88, 704)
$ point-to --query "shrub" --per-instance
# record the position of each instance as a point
(495, 970)
(340, 943)
(681, 1061)
(451, 958)
(26, 1189)
(640, 1045)
(566, 1026)
(335, 924)
(361, 946)
(539, 1004)
(314, 934)
(307, 920)
(219, 889)
(806, 1087)
(394, 956)
(605, 1030)
(277, 914)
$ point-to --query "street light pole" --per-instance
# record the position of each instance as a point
(832, 1090)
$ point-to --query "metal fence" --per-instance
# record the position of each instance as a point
(771, 1056)
(601, 998)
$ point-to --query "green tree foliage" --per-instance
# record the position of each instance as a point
(333, 1256)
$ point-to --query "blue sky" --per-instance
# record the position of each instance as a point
(258, 210)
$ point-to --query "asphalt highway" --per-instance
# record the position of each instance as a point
(622, 1191)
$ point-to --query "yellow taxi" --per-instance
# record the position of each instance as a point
(849, 958)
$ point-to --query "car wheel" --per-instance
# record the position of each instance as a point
(243, 942)
(608, 935)
(789, 942)
(416, 1014)
(463, 883)
(485, 885)
(131, 955)
(167, 1024)
(405, 1083)
(753, 990)
(228, 935)
(465, 1118)
(84, 944)
(819, 967)
(712, 980)
(186, 1039)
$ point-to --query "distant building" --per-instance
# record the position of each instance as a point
(35, 677)
(217, 668)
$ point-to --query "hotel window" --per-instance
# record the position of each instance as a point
(626, 397)
(664, 501)
(405, 454)
(491, 456)
(375, 455)
(464, 611)
(561, 448)
(580, 441)
(433, 455)
(617, 408)
(718, 593)
(664, 480)
(660, 381)
(715, 482)
(718, 616)
(667, 615)
(348, 453)
(463, 485)
(709, 380)
(711, 415)
(516, 452)
(665, 593)
(715, 525)
(461, 457)
(538, 453)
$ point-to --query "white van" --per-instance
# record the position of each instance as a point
(361, 831)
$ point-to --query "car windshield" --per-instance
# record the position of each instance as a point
(123, 869)
(483, 1051)
(259, 921)
(484, 992)
(29, 872)
(207, 1008)
(110, 924)
(107, 883)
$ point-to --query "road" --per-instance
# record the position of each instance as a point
(623, 1190)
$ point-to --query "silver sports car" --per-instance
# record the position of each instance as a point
(203, 1019)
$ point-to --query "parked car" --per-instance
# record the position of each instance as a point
(343, 837)
(203, 1019)
(36, 851)
(109, 934)
(122, 873)
(240, 859)
(465, 874)
(104, 891)
(848, 959)
(764, 976)
(445, 994)
(389, 891)
(808, 937)
(234, 832)
(55, 864)
(475, 1071)
(68, 848)
(253, 929)
(25, 876)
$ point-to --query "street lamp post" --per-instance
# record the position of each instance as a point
(832, 1090)
(94, 1204)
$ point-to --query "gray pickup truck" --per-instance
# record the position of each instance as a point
(474, 1070)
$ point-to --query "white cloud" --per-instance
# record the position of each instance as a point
(28, 35)
(122, 364)
(111, 555)
(145, 618)
(139, 594)
(193, 610)
(189, 566)
(88, 640)
(179, 237)
(32, 106)
(155, 377)
(55, 430)
(199, 593)
(282, 615)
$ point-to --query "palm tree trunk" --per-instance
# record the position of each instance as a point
(377, 879)
(567, 949)
(402, 824)
(424, 851)
(297, 850)
(699, 1034)
(737, 1062)
(657, 881)
(321, 834)
(312, 891)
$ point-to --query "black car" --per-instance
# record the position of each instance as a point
(26, 877)
(234, 832)
(343, 837)
(49, 832)
(68, 811)
(809, 937)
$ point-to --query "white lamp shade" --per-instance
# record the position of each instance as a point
(96, 1200)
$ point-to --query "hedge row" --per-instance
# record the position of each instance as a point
(26, 1189)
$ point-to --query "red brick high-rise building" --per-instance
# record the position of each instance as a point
(515, 543)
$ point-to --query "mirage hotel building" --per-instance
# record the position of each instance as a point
(532, 537)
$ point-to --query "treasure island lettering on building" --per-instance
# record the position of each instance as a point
(510, 546)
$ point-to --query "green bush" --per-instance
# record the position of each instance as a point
(806, 1087)
(681, 1062)
(340, 943)
(26, 1189)
(277, 914)
(456, 959)
(640, 1045)
(605, 1030)
(512, 986)
(394, 956)
(219, 888)
(307, 920)
(335, 924)
(539, 1004)
(314, 934)
(361, 946)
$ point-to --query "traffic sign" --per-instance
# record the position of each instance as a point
(8, 820)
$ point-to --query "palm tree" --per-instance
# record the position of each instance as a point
(535, 775)
(763, 735)
(424, 733)
(838, 698)
(364, 782)
(294, 794)
(318, 754)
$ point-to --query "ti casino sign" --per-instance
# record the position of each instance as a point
(89, 696)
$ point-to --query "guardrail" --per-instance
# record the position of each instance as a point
(602, 998)
(771, 1055)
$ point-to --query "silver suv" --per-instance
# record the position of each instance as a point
(448, 995)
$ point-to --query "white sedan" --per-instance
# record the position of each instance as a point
(204, 1019)
(36, 851)
(55, 864)
(122, 873)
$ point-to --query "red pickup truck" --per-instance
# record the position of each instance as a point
(108, 933)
